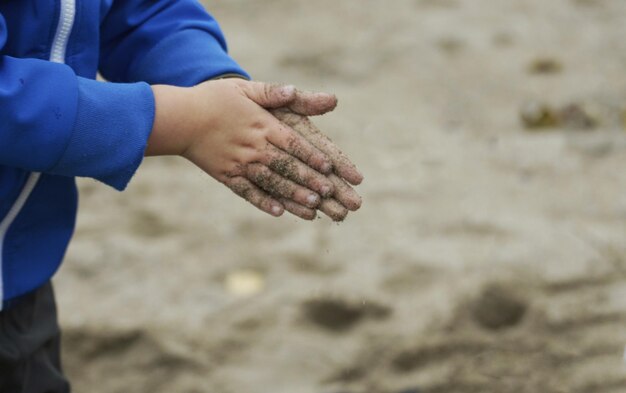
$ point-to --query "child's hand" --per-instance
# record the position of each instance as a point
(345, 197)
(223, 128)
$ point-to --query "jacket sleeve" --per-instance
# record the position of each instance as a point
(55, 122)
(163, 41)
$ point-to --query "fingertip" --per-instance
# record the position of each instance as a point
(333, 209)
(339, 216)
(318, 160)
(276, 210)
(326, 167)
(314, 104)
(327, 190)
(313, 200)
(333, 101)
(326, 102)
(354, 204)
(358, 179)
(309, 215)
(300, 211)
(353, 177)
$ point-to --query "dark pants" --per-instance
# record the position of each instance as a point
(30, 345)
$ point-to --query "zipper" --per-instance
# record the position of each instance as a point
(67, 15)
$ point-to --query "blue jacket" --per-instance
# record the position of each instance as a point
(57, 122)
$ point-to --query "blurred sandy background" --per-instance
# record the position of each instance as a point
(487, 257)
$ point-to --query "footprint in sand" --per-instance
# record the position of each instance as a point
(337, 315)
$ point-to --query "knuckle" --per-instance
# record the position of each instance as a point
(239, 83)
(254, 169)
(291, 141)
(258, 124)
(267, 90)
(279, 135)
(242, 188)
(289, 168)
(234, 169)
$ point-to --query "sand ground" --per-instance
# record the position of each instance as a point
(486, 258)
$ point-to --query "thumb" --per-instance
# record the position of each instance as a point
(313, 104)
(270, 95)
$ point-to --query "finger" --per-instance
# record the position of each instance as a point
(333, 209)
(253, 194)
(295, 170)
(269, 95)
(342, 164)
(286, 139)
(313, 104)
(280, 186)
(345, 194)
(298, 210)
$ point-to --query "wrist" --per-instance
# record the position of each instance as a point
(169, 134)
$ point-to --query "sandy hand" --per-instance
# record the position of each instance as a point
(344, 198)
(223, 127)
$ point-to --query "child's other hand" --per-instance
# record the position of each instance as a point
(223, 128)
(345, 198)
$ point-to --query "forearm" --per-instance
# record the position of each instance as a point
(38, 105)
(53, 121)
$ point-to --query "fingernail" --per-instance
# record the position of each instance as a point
(359, 178)
(312, 199)
(326, 167)
(326, 190)
(288, 90)
(276, 210)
